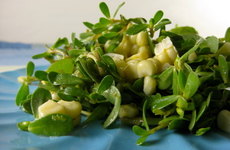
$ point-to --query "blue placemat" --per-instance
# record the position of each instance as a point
(20, 53)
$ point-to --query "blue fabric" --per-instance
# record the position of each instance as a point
(20, 53)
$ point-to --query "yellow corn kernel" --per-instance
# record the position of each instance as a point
(128, 110)
(172, 53)
(73, 108)
(146, 68)
(223, 120)
(55, 96)
(119, 62)
(157, 63)
(119, 50)
(50, 107)
(141, 38)
(131, 69)
(144, 52)
(77, 120)
(163, 58)
(126, 46)
(192, 56)
(129, 25)
(134, 49)
(149, 85)
(106, 46)
(165, 52)
(132, 39)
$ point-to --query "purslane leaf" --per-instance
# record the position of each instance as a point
(136, 29)
(104, 9)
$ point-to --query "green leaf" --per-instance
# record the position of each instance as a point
(65, 79)
(162, 24)
(201, 110)
(99, 30)
(104, 9)
(26, 106)
(112, 95)
(157, 17)
(60, 42)
(213, 43)
(224, 69)
(76, 52)
(227, 35)
(193, 120)
(88, 25)
(39, 97)
(86, 35)
(141, 140)
(150, 43)
(64, 96)
(118, 9)
(181, 80)
(202, 131)
(42, 55)
(105, 83)
(178, 124)
(110, 35)
(30, 68)
(62, 66)
(138, 84)
(23, 92)
(109, 62)
(175, 85)
(192, 85)
(23, 125)
(41, 75)
(164, 101)
(136, 28)
(90, 68)
(184, 57)
(98, 113)
(184, 30)
(76, 92)
(75, 41)
(52, 125)
(139, 131)
(104, 21)
(164, 80)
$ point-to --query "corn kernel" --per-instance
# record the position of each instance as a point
(163, 58)
(134, 49)
(73, 108)
(172, 53)
(77, 120)
(128, 110)
(119, 50)
(146, 68)
(132, 39)
(141, 39)
(106, 46)
(192, 56)
(50, 107)
(223, 120)
(157, 63)
(131, 69)
(126, 46)
(149, 85)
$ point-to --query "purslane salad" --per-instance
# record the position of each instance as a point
(133, 71)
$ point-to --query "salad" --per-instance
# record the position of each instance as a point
(133, 71)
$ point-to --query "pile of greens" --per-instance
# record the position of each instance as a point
(189, 94)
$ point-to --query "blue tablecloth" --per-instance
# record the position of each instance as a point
(19, 54)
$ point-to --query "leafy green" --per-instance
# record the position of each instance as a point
(188, 89)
